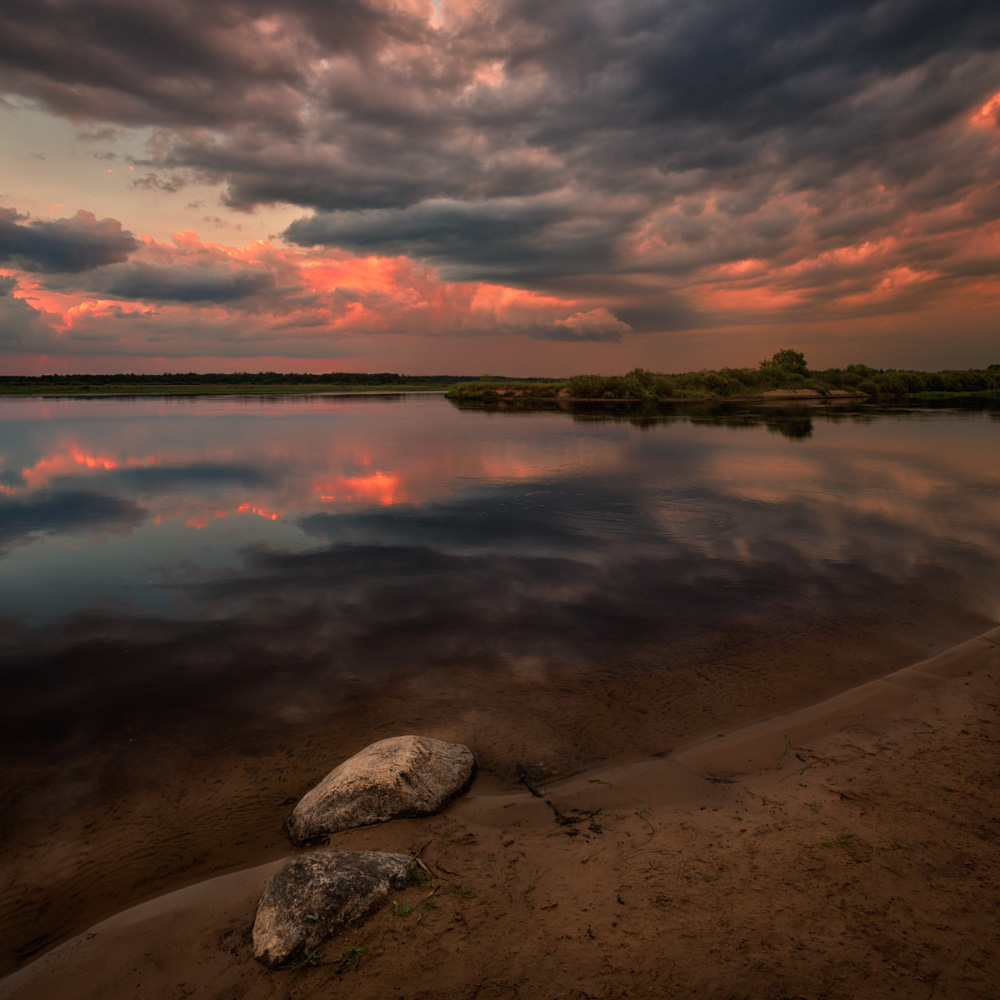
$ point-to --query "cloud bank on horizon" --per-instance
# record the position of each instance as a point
(556, 185)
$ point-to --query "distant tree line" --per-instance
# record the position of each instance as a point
(786, 370)
(234, 378)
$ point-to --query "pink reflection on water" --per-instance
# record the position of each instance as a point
(71, 458)
(219, 458)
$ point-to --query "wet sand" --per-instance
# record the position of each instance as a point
(848, 848)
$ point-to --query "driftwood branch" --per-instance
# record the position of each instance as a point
(527, 780)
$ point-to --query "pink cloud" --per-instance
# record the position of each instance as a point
(174, 299)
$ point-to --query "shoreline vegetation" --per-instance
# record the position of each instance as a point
(785, 376)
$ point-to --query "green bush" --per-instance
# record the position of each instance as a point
(632, 388)
(891, 384)
(664, 386)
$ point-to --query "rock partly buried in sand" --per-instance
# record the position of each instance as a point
(402, 776)
(315, 895)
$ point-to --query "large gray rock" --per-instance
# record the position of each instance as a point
(402, 776)
(318, 893)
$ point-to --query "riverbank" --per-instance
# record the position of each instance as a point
(563, 396)
(843, 849)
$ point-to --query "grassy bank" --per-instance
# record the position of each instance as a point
(488, 390)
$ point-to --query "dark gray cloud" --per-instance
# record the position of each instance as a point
(187, 271)
(185, 283)
(597, 325)
(20, 322)
(498, 239)
(780, 120)
(180, 61)
(778, 63)
(540, 142)
(68, 246)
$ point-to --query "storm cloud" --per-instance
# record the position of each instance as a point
(186, 284)
(80, 243)
(192, 62)
(703, 164)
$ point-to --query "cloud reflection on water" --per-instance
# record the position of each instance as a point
(340, 536)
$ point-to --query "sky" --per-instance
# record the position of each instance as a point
(525, 187)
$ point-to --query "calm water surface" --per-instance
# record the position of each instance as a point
(338, 534)
(206, 603)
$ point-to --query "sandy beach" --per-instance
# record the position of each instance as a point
(845, 849)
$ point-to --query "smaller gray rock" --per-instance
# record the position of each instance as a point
(317, 894)
(401, 776)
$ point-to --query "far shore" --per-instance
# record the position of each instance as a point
(844, 849)
(219, 390)
(382, 390)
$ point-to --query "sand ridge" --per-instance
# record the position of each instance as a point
(846, 849)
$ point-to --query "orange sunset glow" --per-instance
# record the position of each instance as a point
(72, 461)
